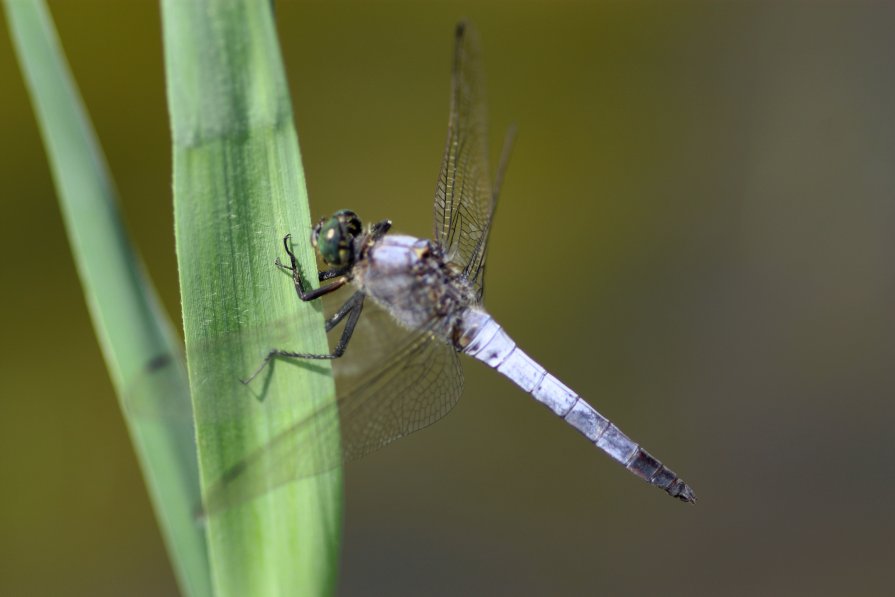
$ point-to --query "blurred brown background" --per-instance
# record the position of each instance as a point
(696, 233)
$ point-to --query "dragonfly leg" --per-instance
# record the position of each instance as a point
(332, 273)
(352, 309)
(352, 306)
(310, 295)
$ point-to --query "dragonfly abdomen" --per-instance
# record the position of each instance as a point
(489, 343)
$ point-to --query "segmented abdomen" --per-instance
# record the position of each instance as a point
(486, 341)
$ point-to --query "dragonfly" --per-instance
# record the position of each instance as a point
(432, 291)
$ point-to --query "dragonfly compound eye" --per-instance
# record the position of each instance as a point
(334, 237)
(350, 221)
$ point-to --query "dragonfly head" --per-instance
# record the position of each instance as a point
(333, 237)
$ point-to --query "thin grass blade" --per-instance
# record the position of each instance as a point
(131, 326)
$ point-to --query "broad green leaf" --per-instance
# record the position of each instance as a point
(238, 189)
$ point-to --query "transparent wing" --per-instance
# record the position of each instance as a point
(475, 269)
(418, 383)
(464, 201)
(390, 382)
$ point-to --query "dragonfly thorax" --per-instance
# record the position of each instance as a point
(410, 278)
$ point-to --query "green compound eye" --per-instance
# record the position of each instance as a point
(334, 237)
(350, 220)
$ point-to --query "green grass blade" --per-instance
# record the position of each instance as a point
(238, 189)
(127, 316)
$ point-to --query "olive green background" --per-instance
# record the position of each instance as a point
(696, 233)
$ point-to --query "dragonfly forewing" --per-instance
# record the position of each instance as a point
(464, 200)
